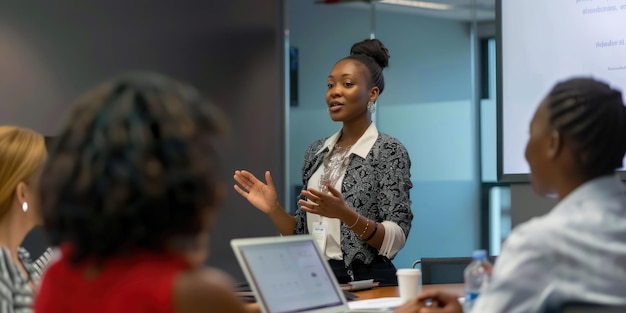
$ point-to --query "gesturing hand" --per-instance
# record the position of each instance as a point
(330, 205)
(261, 195)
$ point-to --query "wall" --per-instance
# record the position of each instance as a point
(426, 104)
(50, 52)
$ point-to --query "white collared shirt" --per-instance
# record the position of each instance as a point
(575, 252)
(394, 235)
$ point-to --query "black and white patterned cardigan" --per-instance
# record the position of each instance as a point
(377, 187)
(16, 295)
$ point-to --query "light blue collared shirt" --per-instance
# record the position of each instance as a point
(575, 252)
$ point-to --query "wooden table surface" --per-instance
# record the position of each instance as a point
(380, 292)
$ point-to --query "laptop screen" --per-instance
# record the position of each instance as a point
(290, 276)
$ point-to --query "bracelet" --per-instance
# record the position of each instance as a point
(365, 230)
(358, 217)
(373, 233)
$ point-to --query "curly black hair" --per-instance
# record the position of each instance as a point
(592, 116)
(135, 165)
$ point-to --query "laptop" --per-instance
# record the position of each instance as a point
(289, 274)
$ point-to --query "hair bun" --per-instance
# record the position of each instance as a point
(373, 48)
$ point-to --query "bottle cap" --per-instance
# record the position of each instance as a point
(479, 254)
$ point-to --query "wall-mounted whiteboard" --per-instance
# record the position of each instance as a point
(541, 42)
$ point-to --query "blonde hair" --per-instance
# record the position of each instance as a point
(22, 155)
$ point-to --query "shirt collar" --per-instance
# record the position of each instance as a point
(361, 148)
(598, 188)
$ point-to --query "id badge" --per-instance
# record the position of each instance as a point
(319, 233)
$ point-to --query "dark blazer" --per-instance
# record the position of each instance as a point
(377, 187)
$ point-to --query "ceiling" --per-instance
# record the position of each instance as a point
(453, 9)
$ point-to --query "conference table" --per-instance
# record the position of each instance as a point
(381, 292)
(392, 291)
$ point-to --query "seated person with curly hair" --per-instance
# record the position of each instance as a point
(129, 194)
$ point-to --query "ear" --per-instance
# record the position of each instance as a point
(555, 145)
(20, 192)
(374, 92)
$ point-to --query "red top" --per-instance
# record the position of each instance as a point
(141, 282)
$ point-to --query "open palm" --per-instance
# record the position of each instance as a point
(259, 194)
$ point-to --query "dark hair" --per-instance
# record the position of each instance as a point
(592, 117)
(134, 167)
(373, 54)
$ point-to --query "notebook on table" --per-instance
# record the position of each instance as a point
(289, 274)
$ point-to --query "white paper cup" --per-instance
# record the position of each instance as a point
(409, 285)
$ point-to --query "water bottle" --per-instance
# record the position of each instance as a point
(477, 276)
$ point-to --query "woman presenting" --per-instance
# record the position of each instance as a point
(356, 200)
